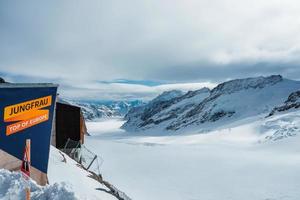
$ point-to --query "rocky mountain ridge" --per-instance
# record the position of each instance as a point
(293, 102)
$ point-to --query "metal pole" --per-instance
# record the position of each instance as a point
(92, 162)
(65, 147)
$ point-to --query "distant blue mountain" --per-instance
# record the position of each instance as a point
(93, 110)
(134, 82)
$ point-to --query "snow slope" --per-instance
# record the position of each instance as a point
(235, 162)
(75, 177)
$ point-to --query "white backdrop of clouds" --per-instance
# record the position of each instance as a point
(121, 91)
(169, 41)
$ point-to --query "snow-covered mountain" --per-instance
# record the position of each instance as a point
(95, 110)
(163, 108)
(204, 109)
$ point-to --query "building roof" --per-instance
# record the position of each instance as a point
(67, 104)
(23, 85)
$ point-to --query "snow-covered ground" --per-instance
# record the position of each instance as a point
(67, 182)
(242, 161)
(76, 178)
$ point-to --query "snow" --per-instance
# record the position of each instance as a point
(282, 126)
(12, 187)
(105, 126)
(234, 162)
(68, 172)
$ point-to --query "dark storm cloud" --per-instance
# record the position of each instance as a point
(219, 73)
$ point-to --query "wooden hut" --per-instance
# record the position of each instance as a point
(69, 124)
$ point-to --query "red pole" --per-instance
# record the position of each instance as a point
(28, 152)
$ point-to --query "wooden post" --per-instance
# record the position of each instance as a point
(28, 145)
(28, 151)
(28, 193)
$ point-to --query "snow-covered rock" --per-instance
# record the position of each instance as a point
(167, 95)
(293, 102)
(281, 126)
(203, 109)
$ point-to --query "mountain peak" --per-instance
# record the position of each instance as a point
(293, 97)
(232, 86)
(168, 95)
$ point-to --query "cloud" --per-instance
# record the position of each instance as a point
(134, 82)
(163, 41)
(123, 91)
(109, 90)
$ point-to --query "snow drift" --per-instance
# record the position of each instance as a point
(12, 187)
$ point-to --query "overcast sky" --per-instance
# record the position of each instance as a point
(88, 46)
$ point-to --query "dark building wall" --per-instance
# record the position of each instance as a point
(68, 124)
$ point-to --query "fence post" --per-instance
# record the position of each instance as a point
(66, 145)
(92, 162)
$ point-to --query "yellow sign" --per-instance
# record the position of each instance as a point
(26, 114)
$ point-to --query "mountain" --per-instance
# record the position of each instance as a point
(138, 116)
(205, 109)
(107, 109)
(163, 108)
